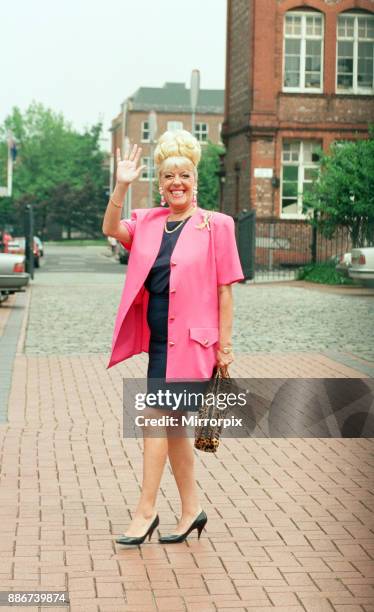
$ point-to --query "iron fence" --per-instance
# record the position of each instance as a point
(284, 245)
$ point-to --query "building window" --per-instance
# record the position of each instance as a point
(201, 132)
(145, 173)
(175, 125)
(145, 131)
(300, 162)
(303, 52)
(355, 51)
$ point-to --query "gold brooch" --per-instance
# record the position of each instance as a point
(206, 221)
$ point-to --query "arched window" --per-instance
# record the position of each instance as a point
(303, 51)
(355, 53)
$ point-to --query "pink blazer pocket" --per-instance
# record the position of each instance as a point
(207, 336)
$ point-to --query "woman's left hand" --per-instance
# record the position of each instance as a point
(224, 359)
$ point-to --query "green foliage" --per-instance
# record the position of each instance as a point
(59, 170)
(343, 193)
(208, 181)
(156, 193)
(323, 273)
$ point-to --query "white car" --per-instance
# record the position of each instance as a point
(362, 267)
(12, 274)
(344, 263)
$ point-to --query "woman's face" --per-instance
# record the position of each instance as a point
(177, 181)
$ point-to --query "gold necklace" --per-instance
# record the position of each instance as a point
(176, 227)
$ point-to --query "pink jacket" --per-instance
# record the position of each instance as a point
(201, 260)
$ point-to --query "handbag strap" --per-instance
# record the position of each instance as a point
(223, 372)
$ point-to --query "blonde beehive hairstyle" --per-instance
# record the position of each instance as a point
(174, 146)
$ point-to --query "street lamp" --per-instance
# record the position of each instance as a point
(29, 239)
(194, 93)
(125, 144)
(152, 130)
(128, 196)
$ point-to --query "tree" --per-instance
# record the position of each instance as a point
(343, 193)
(208, 182)
(59, 170)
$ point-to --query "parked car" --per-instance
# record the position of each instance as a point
(362, 268)
(40, 245)
(4, 239)
(14, 246)
(17, 246)
(12, 274)
(344, 263)
(121, 253)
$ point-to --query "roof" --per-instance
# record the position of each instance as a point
(175, 97)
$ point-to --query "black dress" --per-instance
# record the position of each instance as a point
(157, 283)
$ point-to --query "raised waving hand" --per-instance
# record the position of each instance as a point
(127, 168)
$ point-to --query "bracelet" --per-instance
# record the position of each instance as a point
(116, 205)
(226, 350)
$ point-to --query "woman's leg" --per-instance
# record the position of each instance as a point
(154, 459)
(155, 441)
(182, 461)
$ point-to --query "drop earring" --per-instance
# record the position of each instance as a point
(194, 197)
(163, 201)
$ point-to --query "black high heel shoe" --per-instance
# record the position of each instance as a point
(139, 539)
(199, 524)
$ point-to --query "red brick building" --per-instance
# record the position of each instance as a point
(299, 75)
(171, 104)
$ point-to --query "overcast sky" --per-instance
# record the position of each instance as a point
(83, 57)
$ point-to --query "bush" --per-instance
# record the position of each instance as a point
(343, 193)
(323, 273)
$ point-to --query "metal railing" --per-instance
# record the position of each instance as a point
(284, 245)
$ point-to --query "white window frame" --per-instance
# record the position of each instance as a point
(199, 132)
(175, 125)
(301, 88)
(300, 177)
(145, 161)
(355, 90)
(144, 129)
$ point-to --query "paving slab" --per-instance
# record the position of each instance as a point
(291, 520)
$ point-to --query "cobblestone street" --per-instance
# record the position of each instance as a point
(291, 520)
(79, 309)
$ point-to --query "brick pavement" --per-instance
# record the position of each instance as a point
(290, 520)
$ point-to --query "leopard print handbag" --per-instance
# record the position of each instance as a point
(208, 430)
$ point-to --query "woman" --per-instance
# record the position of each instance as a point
(176, 305)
